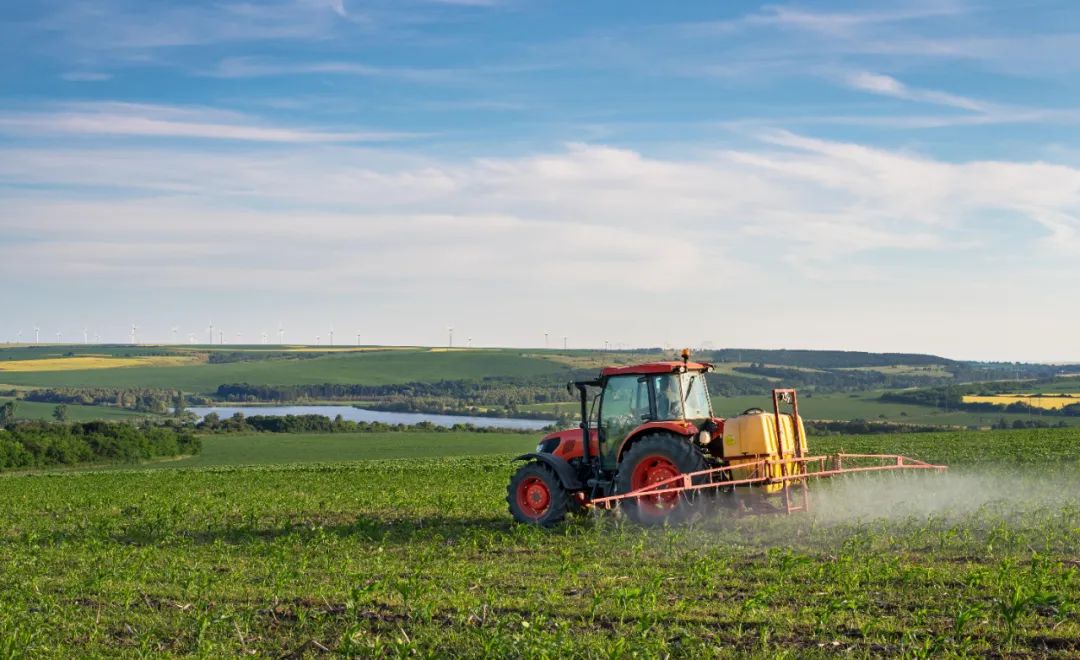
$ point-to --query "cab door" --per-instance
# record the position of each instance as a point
(625, 405)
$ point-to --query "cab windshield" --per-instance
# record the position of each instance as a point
(681, 396)
(695, 396)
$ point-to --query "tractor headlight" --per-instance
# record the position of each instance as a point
(704, 438)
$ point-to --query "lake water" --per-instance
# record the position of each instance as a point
(363, 415)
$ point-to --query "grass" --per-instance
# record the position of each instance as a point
(417, 556)
(296, 448)
(38, 410)
(367, 367)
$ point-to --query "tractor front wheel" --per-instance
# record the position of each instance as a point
(536, 496)
(650, 461)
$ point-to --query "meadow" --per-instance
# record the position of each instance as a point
(371, 367)
(265, 449)
(417, 556)
(201, 369)
(75, 413)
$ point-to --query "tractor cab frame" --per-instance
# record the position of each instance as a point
(634, 401)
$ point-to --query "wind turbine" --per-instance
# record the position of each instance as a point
(85, 338)
(318, 340)
(221, 336)
(238, 336)
(18, 337)
(97, 338)
(331, 335)
(564, 342)
(174, 331)
(211, 333)
(59, 336)
(450, 330)
(280, 333)
(545, 339)
(469, 341)
(191, 338)
(357, 337)
(134, 328)
(264, 338)
(37, 335)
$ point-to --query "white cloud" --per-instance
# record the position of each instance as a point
(86, 76)
(249, 67)
(785, 228)
(876, 83)
(113, 25)
(469, 3)
(144, 120)
(828, 200)
(829, 24)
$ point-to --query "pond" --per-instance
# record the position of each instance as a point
(364, 415)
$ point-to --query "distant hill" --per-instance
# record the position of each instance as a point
(826, 359)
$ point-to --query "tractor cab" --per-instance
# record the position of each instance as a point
(654, 396)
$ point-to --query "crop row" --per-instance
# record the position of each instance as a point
(418, 556)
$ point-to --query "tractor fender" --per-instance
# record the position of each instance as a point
(563, 469)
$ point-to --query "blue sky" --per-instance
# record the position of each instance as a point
(859, 175)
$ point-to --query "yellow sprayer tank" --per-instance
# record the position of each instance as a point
(752, 437)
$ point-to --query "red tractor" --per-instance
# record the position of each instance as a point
(657, 448)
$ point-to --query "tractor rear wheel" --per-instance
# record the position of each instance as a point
(652, 460)
(536, 496)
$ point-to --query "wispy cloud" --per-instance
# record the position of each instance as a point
(830, 200)
(877, 83)
(86, 76)
(832, 24)
(821, 217)
(112, 25)
(145, 120)
(250, 67)
(469, 3)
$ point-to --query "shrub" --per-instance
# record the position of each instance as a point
(40, 444)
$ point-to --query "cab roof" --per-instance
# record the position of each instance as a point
(653, 368)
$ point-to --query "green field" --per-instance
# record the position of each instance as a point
(36, 410)
(417, 556)
(283, 448)
(396, 365)
(367, 368)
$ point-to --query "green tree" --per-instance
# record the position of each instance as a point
(7, 413)
(179, 405)
(60, 413)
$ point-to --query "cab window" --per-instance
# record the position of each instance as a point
(668, 397)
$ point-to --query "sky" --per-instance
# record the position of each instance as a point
(834, 175)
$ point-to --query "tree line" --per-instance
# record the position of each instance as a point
(497, 391)
(238, 422)
(141, 399)
(43, 444)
